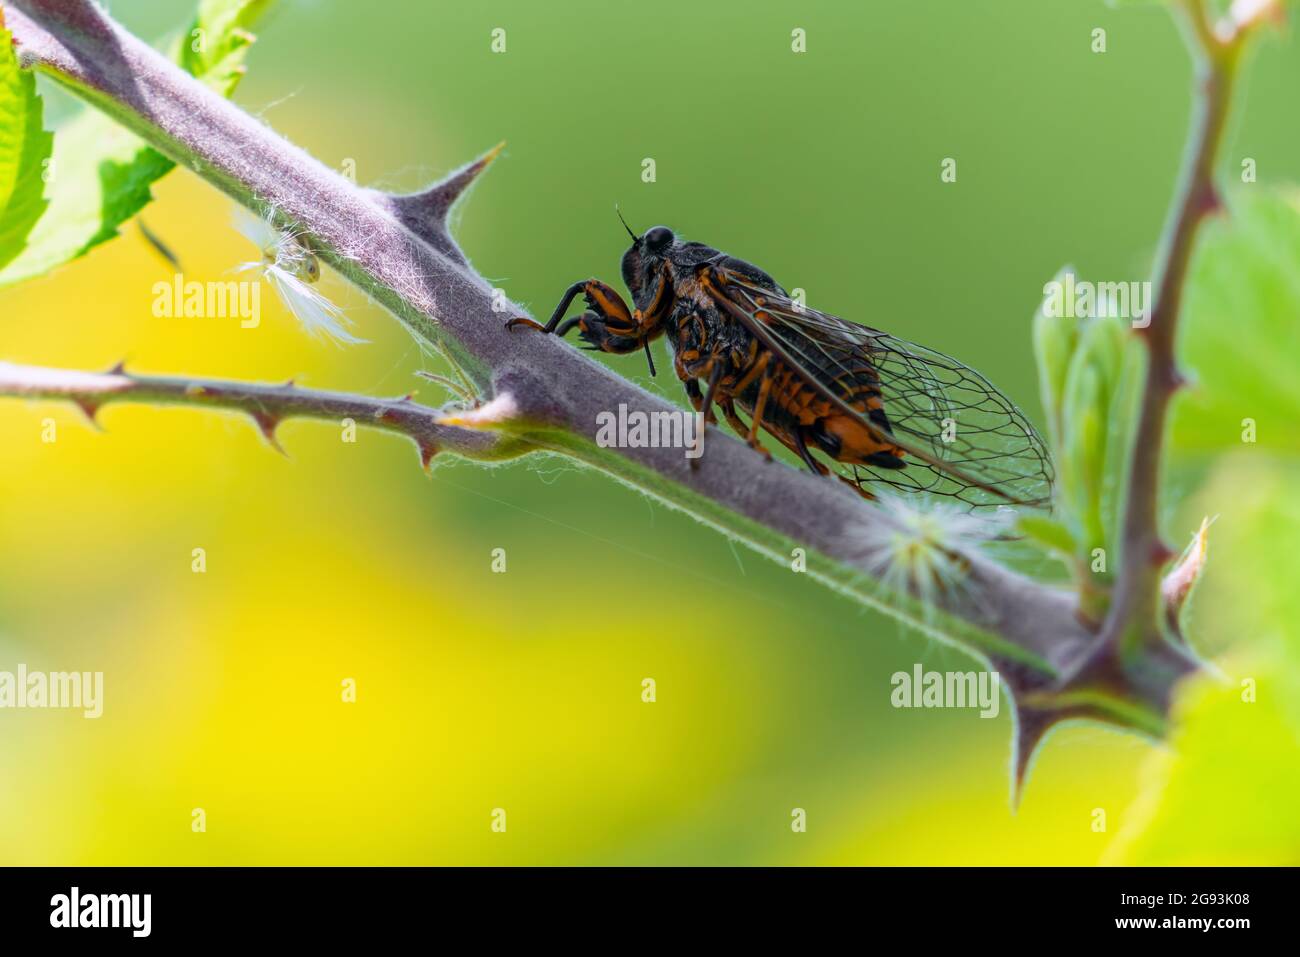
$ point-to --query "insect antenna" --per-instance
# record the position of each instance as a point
(635, 237)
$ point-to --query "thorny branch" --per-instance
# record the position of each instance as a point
(540, 394)
(266, 405)
(1135, 619)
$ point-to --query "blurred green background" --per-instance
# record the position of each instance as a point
(523, 690)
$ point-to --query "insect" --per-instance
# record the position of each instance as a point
(292, 270)
(846, 398)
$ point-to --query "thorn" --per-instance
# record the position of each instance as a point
(427, 451)
(118, 368)
(456, 183)
(1161, 553)
(1031, 730)
(1035, 711)
(425, 212)
(433, 202)
(289, 383)
(89, 409)
(266, 424)
(1211, 201)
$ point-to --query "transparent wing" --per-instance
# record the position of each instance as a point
(964, 438)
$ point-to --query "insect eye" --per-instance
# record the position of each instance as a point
(659, 238)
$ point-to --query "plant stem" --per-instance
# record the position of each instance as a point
(1133, 619)
(266, 405)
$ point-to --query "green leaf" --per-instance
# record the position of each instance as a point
(1240, 335)
(1083, 453)
(1125, 399)
(213, 48)
(1090, 374)
(101, 174)
(24, 146)
(1055, 338)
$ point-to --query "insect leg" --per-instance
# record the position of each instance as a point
(857, 487)
(756, 418)
(694, 394)
(728, 407)
(801, 446)
(607, 325)
(567, 300)
(727, 403)
(704, 403)
(715, 376)
(697, 403)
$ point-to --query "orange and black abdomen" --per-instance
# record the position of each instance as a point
(793, 404)
(796, 412)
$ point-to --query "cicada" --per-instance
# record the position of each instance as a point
(847, 399)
